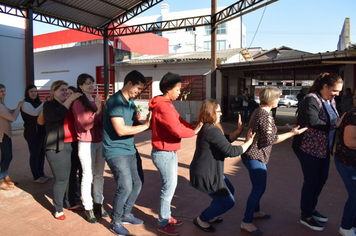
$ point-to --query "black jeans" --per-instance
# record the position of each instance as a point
(6, 156)
(315, 171)
(37, 155)
(60, 164)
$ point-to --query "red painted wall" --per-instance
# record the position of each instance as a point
(148, 43)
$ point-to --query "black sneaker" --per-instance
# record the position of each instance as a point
(319, 217)
(312, 223)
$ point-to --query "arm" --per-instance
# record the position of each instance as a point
(350, 136)
(233, 136)
(285, 136)
(29, 109)
(124, 130)
(11, 116)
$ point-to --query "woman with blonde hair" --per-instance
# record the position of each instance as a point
(207, 166)
(58, 143)
(6, 117)
(257, 156)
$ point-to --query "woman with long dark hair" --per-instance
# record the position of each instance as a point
(34, 133)
(88, 115)
(6, 117)
(317, 111)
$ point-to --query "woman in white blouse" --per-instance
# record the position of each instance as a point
(6, 116)
(34, 133)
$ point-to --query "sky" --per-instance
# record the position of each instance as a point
(307, 25)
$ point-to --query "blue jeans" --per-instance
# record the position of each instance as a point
(258, 176)
(6, 155)
(128, 175)
(315, 171)
(167, 165)
(220, 204)
(37, 156)
(348, 175)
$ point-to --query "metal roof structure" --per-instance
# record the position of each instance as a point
(96, 16)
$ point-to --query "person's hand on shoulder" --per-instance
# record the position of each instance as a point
(20, 103)
(148, 119)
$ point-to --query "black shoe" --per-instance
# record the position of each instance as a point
(217, 220)
(312, 224)
(99, 209)
(319, 217)
(209, 229)
(89, 215)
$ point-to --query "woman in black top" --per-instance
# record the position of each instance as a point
(207, 167)
(34, 133)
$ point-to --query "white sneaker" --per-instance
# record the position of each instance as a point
(347, 232)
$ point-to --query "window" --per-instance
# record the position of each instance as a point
(194, 83)
(146, 93)
(221, 44)
(190, 29)
(207, 45)
(220, 30)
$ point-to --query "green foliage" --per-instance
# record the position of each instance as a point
(186, 95)
(139, 109)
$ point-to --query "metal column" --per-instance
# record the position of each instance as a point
(106, 65)
(213, 48)
(30, 71)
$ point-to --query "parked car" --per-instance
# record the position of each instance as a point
(288, 101)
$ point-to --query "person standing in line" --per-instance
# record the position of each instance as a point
(313, 148)
(255, 159)
(34, 133)
(120, 153)
(245, 101)
(58, 148)
(345, 162)
(207, 166)
(88, 116)
(6, 117)
(167, 130)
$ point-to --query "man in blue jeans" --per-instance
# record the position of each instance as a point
(120, 153)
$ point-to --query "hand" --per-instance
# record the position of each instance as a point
(20, 103)
(250, 135)
(198, 127)
(98, 103)
(297, 131)
(289, 127)
(338, 123)
(46, 99)
(148, 119)
(74, 96)
(239, 123)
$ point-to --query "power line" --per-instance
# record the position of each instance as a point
(258, 25)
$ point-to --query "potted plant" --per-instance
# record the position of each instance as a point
(139, 110)
(186, 96)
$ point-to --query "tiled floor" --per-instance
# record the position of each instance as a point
(27, 210)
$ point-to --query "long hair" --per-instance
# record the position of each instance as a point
(207, 113)
(83, 99)
(330, 79)
(37, 100)
(2, 100)
(55, 85)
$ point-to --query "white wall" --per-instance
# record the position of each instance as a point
(12, 59)
(183, 69)
(75, 60)
(183, 41)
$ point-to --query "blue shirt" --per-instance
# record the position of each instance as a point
(113, 144)
(333, 120)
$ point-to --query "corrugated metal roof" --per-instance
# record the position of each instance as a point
(92, 13)
(222, 55)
